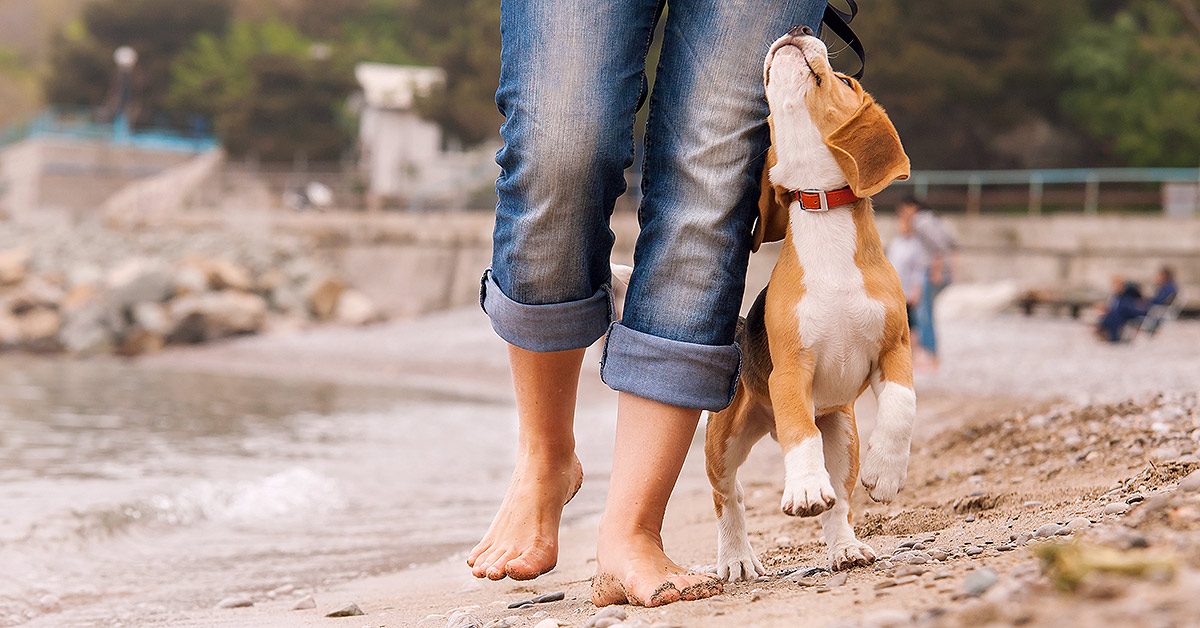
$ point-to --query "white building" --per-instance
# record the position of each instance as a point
(405, 157)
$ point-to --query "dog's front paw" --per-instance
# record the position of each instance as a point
(738, 564)
(883, 472)
(851, 553)
(808, 496)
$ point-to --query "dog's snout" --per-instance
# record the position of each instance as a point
(803, 29)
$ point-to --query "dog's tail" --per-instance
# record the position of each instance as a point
(621, 273)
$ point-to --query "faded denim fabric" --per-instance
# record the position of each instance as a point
(572, 78)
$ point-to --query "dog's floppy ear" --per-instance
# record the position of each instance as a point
(772, 208)
(868, 150)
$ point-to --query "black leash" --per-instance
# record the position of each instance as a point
(838, 21)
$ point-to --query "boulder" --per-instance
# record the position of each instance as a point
(14, 266)
(139, 280)
(138, 341)
(355, 308)
(86, 330)
(322, 294)
(212, 315)
(38, 329)
(152, 317)
(190, 279)
(34, 293)
(221, 273)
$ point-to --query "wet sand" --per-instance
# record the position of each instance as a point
(978, 478)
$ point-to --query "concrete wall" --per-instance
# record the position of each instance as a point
(417, 263)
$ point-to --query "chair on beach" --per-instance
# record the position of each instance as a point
(1149, 324)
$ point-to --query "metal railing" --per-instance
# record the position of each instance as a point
(1036, 181)
(81, 124)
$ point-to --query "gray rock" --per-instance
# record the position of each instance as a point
(1191, 483)
(213, 315)
(911, 558)
(1116, 508)
(140, 280)
(938, 554)
(1047, 531)
(352, 610)
(1032, 504)
(979, 581)
(305, 603)
(602, 622)
(972, 550)
(457, 620)
(1077, 524)
(907, 544)
(885, 584)
(970, 519)
(838, 580)
(611, 611)
(235, 602)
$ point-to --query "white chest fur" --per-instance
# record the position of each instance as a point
(837, 321)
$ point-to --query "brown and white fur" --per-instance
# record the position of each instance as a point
(830, 323)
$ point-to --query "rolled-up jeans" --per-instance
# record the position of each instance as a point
(572, 77)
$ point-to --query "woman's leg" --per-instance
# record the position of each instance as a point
(571, 78)
(523, 540)
(673, 353)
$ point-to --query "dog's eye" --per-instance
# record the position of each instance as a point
(846, 81)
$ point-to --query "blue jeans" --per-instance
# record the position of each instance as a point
(572, 78)
(926, 334)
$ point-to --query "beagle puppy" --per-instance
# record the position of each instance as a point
(831, 321)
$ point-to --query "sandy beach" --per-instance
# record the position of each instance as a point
(1008, 458)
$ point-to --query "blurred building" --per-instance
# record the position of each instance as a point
(407, 161)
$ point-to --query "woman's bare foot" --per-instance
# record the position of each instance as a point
(632, 567)
(522, 542)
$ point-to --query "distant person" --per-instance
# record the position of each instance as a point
(908, 255)
(940, 247)
(1165, 289)
(1125, 304)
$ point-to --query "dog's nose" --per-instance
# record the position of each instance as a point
(797, 31)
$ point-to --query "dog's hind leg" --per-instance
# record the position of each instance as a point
(839, 434)
(886, 466)
(730, 435)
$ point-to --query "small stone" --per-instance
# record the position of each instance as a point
(1023, 538)
(1116, 508)
(548, 623)
(942, 575)
(972, 550)
(305, 603)
(911, 570)
(1032, 504)
(970, 519)
(883, 565)
(611, 611)
(235, 602)
(885, 584)
(823, 589)
(907, 544)
(838, 580)
(460, 619)
(1191, 483)
(783, 541)
(979, 581)
(1135, 498)
(805, 582)
(1005, 548)
(911, 558)
(352, 610)
(1077, 524)
(938, 554)
(976, 493)
(1047, 531)
(499, 623)
(49, 604)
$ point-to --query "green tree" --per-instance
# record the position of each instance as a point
(81, 66)
(270, 91)
(1133, 81)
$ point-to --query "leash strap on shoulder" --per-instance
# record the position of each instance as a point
(838, 21)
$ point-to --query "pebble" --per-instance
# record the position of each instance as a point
(1135, 498)
(608, 612)
(970, 519)
(838, 580)
(911, 558)
(979, 581)
(907, 544)
(938, 554)
(942, 575)
(1032, 504)
(305, 603)
(885, 584)
(235, 602)
(883, 565)
(1005, 548)
(971, 550)
(1116, 508)
(499, 623)
(912, 570)
(539, 615)
(548, 623)
(1047, 531)
(541, 599)
(49, 603)
(805, 582)
(1077, 524)
(1191, 483)
(783, 540)
(352, 610)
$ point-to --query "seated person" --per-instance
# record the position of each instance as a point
(1125, 305)
(1164, 287)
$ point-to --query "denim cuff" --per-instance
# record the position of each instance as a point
(550, 327)
(681, 374)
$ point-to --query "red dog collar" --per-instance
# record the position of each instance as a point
(821, 201)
